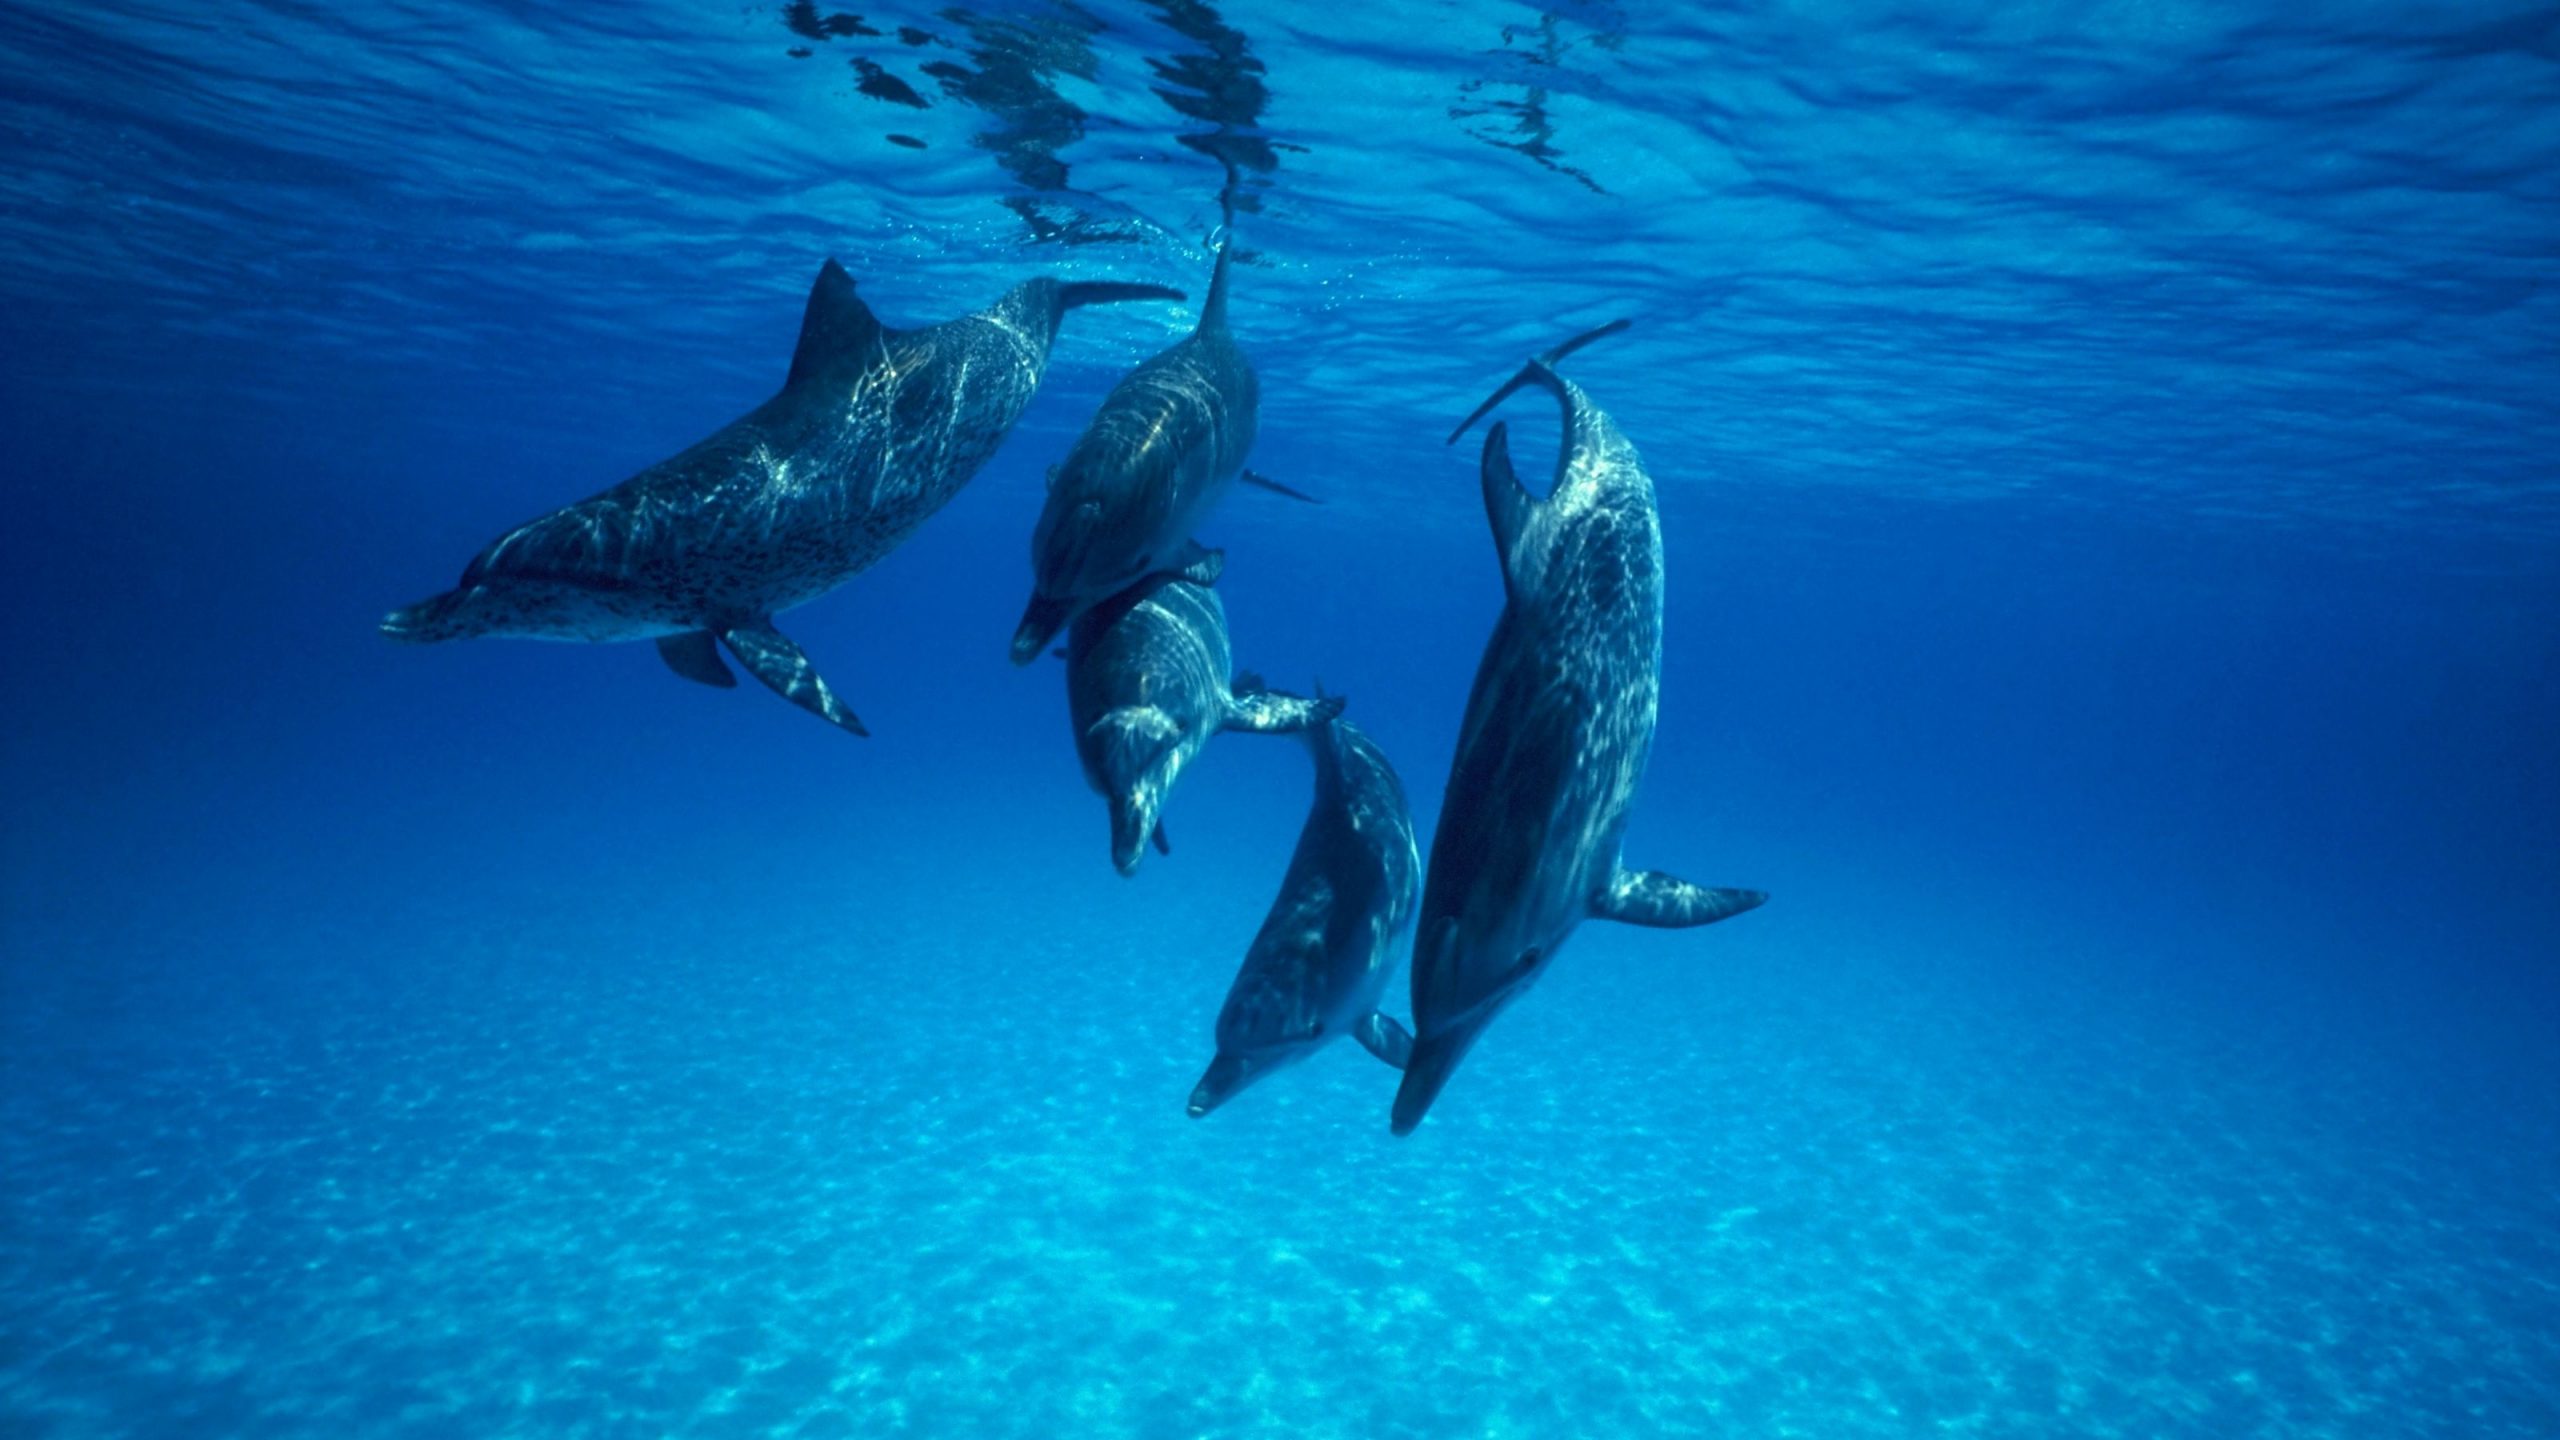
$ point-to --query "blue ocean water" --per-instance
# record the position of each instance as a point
(2107, 468)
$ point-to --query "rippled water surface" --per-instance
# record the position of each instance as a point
(2112, 524)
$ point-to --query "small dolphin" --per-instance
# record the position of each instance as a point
(1555, 738)
(1159, 453)
(1316, 969)
(874, 429)
(1148, 684)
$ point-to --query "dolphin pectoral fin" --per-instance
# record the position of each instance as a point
(1666, 902)
(1384, 1038)
(1276, 712)
(1163, 845)
(1261, 481)
(771, 657)
(1199, 564)
(1078, 294)
(696, 656)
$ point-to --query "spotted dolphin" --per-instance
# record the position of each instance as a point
(1554, 741)
(873, 430)
(1149, 683)
(1322, 958)
(1163, 448)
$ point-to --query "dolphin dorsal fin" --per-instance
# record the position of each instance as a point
(835, 325)
(1507, 502)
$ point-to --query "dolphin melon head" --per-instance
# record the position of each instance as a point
(1060, 547)
(1135, 761)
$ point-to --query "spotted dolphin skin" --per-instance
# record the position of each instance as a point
(872, 432)
(1149, 683)
(1321, 960)
(1554, 741)
(1161, 450)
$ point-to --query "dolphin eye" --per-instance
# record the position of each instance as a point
(1527, 962)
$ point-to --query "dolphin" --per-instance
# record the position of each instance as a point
(1148, 685)
(1161, 450)
(873, 430)
(1321, 960)
(1555, 738)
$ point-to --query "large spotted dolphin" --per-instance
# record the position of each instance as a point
(1322, 957)
(1166, 443)
(873, 430)
(1149, 683)
(1554, 740)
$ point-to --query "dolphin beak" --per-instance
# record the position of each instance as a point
(425, 622)
(1131, 823)
(1219, 1083)
(1041, 621)
(1435, 1058)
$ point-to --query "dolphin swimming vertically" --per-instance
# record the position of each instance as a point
(1318, 965)
(1148, 684)
(1555, 738)
(1161, 450)
(873, 430)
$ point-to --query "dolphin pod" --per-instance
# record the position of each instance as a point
(874, 429)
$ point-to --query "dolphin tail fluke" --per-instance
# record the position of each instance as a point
(696, 656)
(1666, 902)
(771, 657)
(1601, 332)
(1107, 292)
(1542, 372)
(835, 324)
(1213, 311)
(1264, 482)
(1384, 1038)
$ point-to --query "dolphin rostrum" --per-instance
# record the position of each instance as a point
(871, 433)
(1555, 738)
(1148, 685)
(1322, 958)
(1159, 453)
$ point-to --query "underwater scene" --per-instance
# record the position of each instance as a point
(1220, 718)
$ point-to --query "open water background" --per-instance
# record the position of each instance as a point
(2107, 470)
